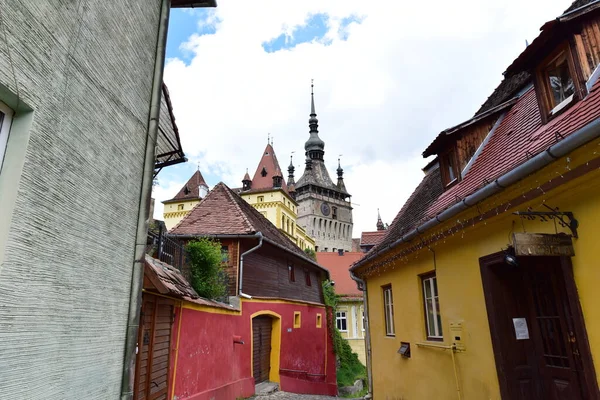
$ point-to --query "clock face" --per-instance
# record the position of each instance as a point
(325, 209)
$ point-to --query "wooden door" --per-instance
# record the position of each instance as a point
(262, 327)
(154, 343)
(546, 361)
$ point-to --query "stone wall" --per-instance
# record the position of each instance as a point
(80, 73)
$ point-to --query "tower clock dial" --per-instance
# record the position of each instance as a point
(325, 209)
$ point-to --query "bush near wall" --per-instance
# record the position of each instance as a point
(208, 278)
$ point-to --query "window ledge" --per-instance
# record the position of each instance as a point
(562, 105)
(435, 339)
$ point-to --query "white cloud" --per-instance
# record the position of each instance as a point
(405, 72)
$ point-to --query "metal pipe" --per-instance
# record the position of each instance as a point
(362, 285)
(137, 274)
(577, 139)
(452, 349)
(258, 246)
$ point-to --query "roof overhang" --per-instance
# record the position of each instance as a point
(193, 4)
(168, 144)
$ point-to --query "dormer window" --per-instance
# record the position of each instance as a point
(556, 83)
(448, 168)
(263, 172)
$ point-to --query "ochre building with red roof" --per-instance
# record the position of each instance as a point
(485, 285)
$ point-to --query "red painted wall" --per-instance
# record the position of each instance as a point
(210, 365)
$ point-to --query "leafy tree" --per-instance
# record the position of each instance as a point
(208, 278)
(311, 253)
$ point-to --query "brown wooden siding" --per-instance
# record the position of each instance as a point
(470, 139)
(587, 44)
(266, 274)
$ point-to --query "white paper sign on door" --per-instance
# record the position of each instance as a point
(521, 331)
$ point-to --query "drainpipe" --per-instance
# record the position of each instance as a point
(362, 285)
(137, 275)
(260, 242)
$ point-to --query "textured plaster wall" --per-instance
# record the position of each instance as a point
(85, 69)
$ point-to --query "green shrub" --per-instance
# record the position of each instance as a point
(208, 278)
(311, 253)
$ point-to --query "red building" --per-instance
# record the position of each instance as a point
(274, 329)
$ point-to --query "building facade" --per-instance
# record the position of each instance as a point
(274, 198)
(349, 315)
(275, 327)
(188, 196)
(486, 282)
(79, 145)
(324, 207)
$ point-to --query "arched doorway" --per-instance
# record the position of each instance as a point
(266, 340)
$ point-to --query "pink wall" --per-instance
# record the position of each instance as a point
(210, 365)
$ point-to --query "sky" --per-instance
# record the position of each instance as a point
(388, 77)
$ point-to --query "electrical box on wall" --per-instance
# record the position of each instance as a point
(457, 335)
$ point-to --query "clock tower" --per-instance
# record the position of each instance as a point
(324, 208)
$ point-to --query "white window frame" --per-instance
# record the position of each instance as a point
(7, 115)
(433, 332)
(388, 307)
(338, 318)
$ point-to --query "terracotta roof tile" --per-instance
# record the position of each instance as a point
(223, 212)
(338, 267)
(372, 238)
(191, 190)
(271, 168)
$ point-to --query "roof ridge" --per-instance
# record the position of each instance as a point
(230, 193)
(190, 212)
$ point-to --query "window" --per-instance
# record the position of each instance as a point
(559, 81)
(225, 254)
(433, 319)
(334, 212)
(319, 321)
(307, 277)
(260, 199)
(341, 322)
(363, 320)
(180, 207)
(388, 308)
(448, 168)
(5, 121)
(297, 319)
(291, 273)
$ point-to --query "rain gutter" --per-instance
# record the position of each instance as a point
(577, 139)
(137, 274)
(258, 246)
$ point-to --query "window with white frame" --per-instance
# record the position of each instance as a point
(388, 307)
(5, 120)
(341, 322)
(433, 319)
(363, 320)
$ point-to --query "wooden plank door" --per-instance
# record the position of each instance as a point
(546, 363)
(262, 327)
(154, 343)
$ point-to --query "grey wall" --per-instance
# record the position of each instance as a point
(84, 68)
(309, 210)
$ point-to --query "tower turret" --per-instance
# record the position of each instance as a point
(380, 226)
(246, 182)
(314, 146)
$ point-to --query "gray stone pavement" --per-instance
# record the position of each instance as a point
(292, 396)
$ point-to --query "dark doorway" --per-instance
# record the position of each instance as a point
(262, 327)
(154, 341)
(538, 335)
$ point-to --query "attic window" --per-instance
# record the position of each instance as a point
(556, 83)
(448, 168)
(186, 190)
(263, 172)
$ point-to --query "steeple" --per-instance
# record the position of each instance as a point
(340, 182)
(291, 170)
(314, 146)
(380, 226)
(247, 182)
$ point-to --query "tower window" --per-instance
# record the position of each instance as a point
(263, 172)
(180, 206)
(260, 199)
(334, 212)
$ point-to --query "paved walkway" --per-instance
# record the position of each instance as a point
(292, 396)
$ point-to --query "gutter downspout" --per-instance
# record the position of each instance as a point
(260, 237)
(362, 285)
(577, 139)
(137, 274)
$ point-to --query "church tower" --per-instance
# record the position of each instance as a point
(324, 208)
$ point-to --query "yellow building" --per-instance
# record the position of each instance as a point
(188, 196)
(486, 286)
(269, 193)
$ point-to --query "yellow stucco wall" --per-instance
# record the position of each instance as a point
(354, 334)
(173, 212)
(429, 374)
(282, 211)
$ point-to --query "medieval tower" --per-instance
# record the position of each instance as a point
(324, 208)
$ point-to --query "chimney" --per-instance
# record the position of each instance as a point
(340, 252)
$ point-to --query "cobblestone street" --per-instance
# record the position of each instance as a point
(292, 396)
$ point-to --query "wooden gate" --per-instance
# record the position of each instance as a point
(538, 335)
(154, 344)
(262, 327)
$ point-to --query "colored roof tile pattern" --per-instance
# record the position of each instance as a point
(169, 281)
(268, 167)
(338, 267)
(222, 212)
(191, 190)
(372, 238)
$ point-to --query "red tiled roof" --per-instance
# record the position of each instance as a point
(191, 190)
(372, 238)
(269, 163)
(338, 267)
(222, 212)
